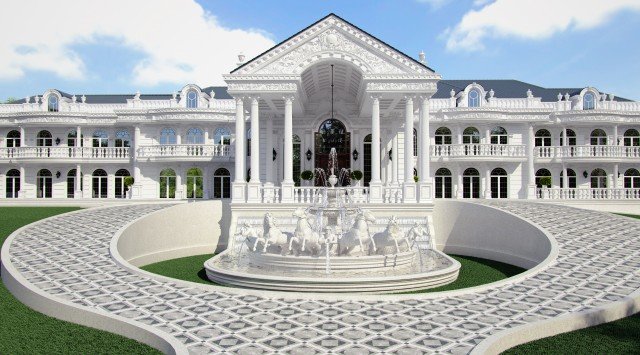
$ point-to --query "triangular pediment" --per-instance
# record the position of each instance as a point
(333, 38)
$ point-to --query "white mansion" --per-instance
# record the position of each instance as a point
(414, 136)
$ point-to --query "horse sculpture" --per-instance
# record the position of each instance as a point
(358, 235)
(248, 232)
(391, 236)
(419, 231)
(304, 234)
(272, 234)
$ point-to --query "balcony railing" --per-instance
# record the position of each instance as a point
(588, 151)
(478, 150)
(589, 194)
(64, 153)
(185, 151)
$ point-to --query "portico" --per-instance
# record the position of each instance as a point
(331, 86)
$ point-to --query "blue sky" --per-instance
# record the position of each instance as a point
(107, 49)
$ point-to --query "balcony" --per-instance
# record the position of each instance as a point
(185, 151)
(65, 153)
(478, 151)
(588, 194)
(588, 152)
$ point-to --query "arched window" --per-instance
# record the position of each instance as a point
(221, 183)
(598, 137)
(99, 185)
(443, 183)
(100, 139)
(71, 183)
(470, 135)
(571, 135)
(415, 142)
(44, 184)
(195, 136)
(167, 183)
(632, 179)
(598, 179)
(13, 139)
(195, 183)
(222, 135)
(366, 162)
(296, 159)
(52, 103)
(499, 135)
(443, 136)
(168, 136)
(631, 138)
(44, 139)
(474, 98)
(120, 184)
(572, 182)
(499, 183)
(12, 183)
(543, 138)
(192, 99)
(471, 183)
(543, 178)
(72, 138)
(589, 101)
(123, 139)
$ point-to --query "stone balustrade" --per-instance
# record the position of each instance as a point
(588, 151)
(588, 193)
(99, 153)
(185, 151)
(478, 150)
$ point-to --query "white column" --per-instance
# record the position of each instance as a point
(287, 183)
(179, 189)
(616, 170)
(615, 135)
(395, 158)
(409, 187)
(23, 175)
(111, 186)
(487, 183)
(239, 184)
(375, 185)
(531, 181)
(136, 188)
(565, 178)
(425, 186)
(268, 161)
(78, 136)
(253, 189)
(459, 187)
(78, 182)
(23, 141)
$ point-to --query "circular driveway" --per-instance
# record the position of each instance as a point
(62, 266)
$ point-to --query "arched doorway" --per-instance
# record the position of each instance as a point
(99, 184)
(12, 183)
(443, 183)
(221, 183)
(333, 134)
(471, 183)
(121, 186)
(44, 184)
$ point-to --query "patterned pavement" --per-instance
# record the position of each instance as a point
(68, 258)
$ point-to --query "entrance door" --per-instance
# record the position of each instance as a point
(333, 134)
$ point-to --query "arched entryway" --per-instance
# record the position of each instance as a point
(332, 133)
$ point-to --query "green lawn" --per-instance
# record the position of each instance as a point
(24, 331)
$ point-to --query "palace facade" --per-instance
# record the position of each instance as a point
(413, 135)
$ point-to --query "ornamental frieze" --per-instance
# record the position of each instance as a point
(494, 116)
(257, 87)
(391, 86)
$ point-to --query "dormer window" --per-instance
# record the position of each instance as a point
(52, 103)
(474, 98)
(192, 99)
(589, 101)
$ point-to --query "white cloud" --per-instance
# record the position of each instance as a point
(435, 4)
(180, 42)
(531, 19)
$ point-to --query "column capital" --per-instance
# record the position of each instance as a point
(408, 97)
(289, 97)
(253, 98)
(375, 96)
(423, 98)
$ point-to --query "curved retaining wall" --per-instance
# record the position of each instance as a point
(175, 232)
(472, 229)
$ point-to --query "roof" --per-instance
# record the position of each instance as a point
(507, 89)
(348, 23)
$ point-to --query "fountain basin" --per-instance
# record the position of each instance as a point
(374, 275)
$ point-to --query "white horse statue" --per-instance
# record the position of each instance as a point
(419, 231)
(357, 235)
(272, 234)
(304, 235)
(391, 236)
(250, 233)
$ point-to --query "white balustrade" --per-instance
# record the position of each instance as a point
(589, 193)
(270, 194)
(598, 151)
(392, 194)
(64, 153)
(545, 152)
(185, 150)
(308, 194)
(478, 150)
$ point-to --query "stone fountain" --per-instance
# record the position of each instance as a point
(333, 245)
